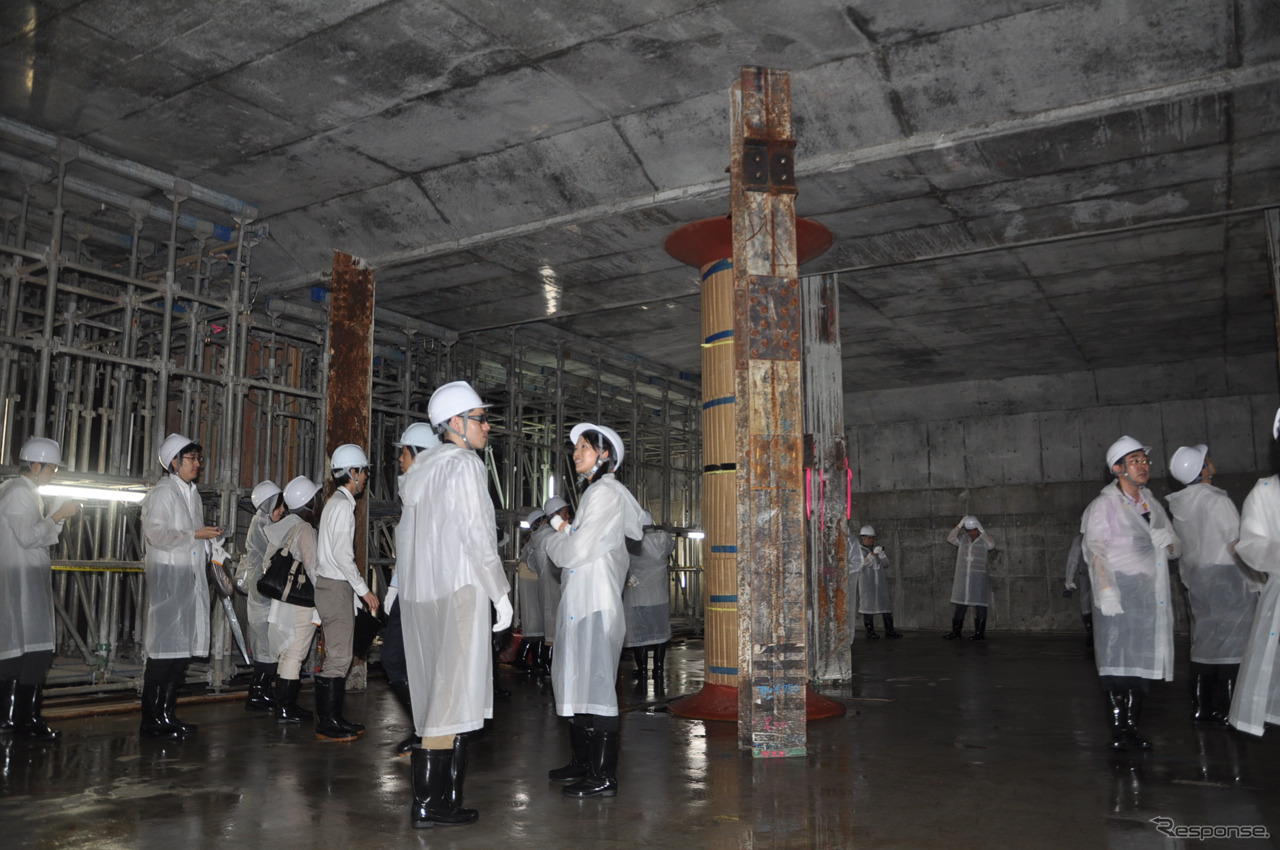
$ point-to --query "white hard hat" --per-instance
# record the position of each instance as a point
(534, 515)
(41, 450)
(1122, 447)
(263, 491)
(452, 399)
(867, 531)
(173, 444)
(619, 451)
(419, 435)
(971, 522)
(299, 492)
(555, 503)
(348, 455)
(1186, 463)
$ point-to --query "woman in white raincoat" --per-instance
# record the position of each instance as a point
(26, 588)
(177, 553)
(867, 566)
(1128, 542)
(593, 558)
(291, 627)
(1222, 597)
(1257, 697)
(449, 573)
(269, 507)
(646, 599)
(971, 585)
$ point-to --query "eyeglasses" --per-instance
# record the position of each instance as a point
(196, 458)
(483, 418)
(1138, 461)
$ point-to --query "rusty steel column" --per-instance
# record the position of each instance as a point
(827, 480)
(772, 668)
(349, 394)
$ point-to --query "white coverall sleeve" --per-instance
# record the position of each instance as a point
(482, 536)
(156, 528)
(1099, 528)
(31, 529)
(597, 530)
(954, 537)
(1259, 544)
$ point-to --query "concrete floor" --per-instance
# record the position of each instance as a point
(946, 745)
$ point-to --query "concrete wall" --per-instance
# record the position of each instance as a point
(1026, 456)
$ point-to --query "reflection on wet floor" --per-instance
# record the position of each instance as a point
(945, 744)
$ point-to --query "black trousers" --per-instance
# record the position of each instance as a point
(29, 669)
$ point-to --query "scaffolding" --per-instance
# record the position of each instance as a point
(124, 319)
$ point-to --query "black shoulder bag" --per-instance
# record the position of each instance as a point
(286, 579)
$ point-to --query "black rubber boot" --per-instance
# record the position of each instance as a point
(327, 728)
(1133, 714)
(1088, 628)
(889, 630)
(259, 698)
(401, 690)
(26, 714)
(521, 660)
(956, 626)
(432, 778)
(1117, 713)
(154, 723)
(979, 629)
(579, 754)
(869, 625)
(1201, 699)
(1224, 693)
(641, 656)
(170, 703)
(659, 663)
(7, 687)
(458, 770)
(285, 705)
(340, 688)
(602, 781)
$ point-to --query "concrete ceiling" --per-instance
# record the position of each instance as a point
(1015, 187)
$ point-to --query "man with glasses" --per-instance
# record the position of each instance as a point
(1128, 542)
(177, 543)
(338, 583)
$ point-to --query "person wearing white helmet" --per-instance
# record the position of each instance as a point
(269, 507)
(593, 556)
(549, 586)
(338, 585)
(972, 584)
(418, 439)
(867, 565)
(1256, 701)
(1222, 596)
(292, 626)
(26, 588)
(177, 552)
(646, 601)
(1128, 542)
(529, 597)
(451, 578)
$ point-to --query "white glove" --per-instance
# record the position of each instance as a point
(631, 581)
(505, 613)
(1162, 538)
(557, 522)
(879, 550)
(220, 555)
(1071, 585)
(1110, 607)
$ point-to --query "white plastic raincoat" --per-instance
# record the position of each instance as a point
(590, 625)
(177, 587)
(528, 596)
(449, 573)
(1128, 567)
(646, 599)
(1257, 697)
(971, 586)
(300, 538)
(1222, 597)
(26, 582)
(868, 568)
(548, 579)
(257, 606)
(1078, 575)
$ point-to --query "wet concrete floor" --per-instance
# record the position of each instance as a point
(946, 745)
